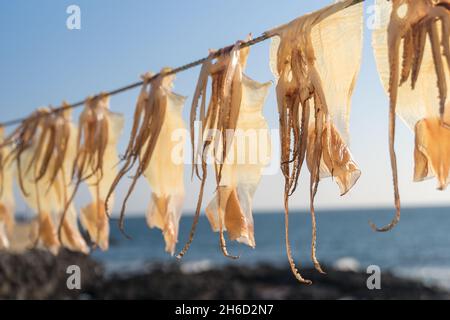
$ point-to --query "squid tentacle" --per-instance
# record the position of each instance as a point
(394, 49)
(420, 41)
(315, 178)
(439, 67)
(197, 211)
(292, 264)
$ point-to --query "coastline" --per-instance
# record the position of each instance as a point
(40, 275)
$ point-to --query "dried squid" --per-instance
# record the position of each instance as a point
(7, 203)
(153, 145)
(316, 71)
(219, 122)
(232, 205)
(95, 164)
(412, 44)
(34, 139)
(45, 176)
(22, 139)
(165, 170)
(59, 176)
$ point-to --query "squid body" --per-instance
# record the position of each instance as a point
(250, 153)
(316, 72)
(96, 162)
(7, 203)
(412, 51)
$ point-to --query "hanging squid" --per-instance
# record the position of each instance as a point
(165, 171)
(316, 72)
(22, 139)
(412, 49)
(7, 203)
(45, 176)
(30, 153)
(219, 121)
(60, 174)
(95, 164)
(157, 146)
(249, 154)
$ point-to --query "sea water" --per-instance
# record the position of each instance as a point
(419, 247)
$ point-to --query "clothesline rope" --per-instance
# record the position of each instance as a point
(185, 67)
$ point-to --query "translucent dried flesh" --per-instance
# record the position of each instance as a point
(96, 163)
(70, 236)
(241, 174)
(337, 161)
(165, 172)
(148, 122)
(37, 194)
(432, 152)
(47, 166)
(412, 51)
(7, 203)
(56, 145)
(21, 140)
(93, 215)
(218, 120)
(316, 73)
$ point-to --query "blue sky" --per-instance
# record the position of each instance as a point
(42, 62)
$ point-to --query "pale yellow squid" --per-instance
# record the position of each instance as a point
(412, 50)
(157, 146)
(7, 202)
(235, 104)
(61, 165)
(250, 152)
(30, 153)
(57, 145)
(165, 171)
(95, 164)
(316, 60)
(46, 141)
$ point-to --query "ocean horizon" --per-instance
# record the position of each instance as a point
(418, 248)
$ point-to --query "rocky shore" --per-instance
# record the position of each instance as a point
(40, 275)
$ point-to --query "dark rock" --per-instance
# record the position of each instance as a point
(40, 275)
(261, 282)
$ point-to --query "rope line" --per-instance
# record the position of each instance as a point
(185, 67)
